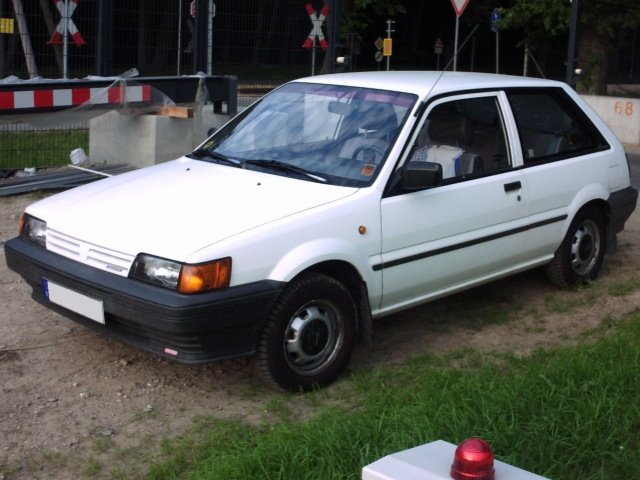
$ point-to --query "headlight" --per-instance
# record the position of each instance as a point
(183, 277)
(34, 229)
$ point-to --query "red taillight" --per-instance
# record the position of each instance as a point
(473, 460)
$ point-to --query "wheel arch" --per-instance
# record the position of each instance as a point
(610, 243)
(593, 195)
(348, 275)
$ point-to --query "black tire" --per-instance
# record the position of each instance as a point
(579, 257)
(310, 334)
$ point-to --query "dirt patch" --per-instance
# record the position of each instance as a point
(78, 404)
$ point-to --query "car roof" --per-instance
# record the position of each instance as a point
(423, 83)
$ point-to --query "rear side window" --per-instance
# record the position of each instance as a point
(551, 126)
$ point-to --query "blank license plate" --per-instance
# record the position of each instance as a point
(74, 301)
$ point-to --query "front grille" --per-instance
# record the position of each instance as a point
(89, 254)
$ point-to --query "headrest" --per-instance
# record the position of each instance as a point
(450, 129)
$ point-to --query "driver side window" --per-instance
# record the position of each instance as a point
(465, 137)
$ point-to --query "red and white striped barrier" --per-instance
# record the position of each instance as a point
(17, 101)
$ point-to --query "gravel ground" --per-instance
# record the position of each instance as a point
(77, 404)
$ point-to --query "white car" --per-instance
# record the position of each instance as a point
(332, 201)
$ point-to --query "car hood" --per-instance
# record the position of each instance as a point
(176, 208)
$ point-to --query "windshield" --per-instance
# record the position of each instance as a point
(328, 133)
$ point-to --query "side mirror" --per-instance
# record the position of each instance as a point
(211, 131)
(421, 175)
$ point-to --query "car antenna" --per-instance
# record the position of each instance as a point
(451, 60)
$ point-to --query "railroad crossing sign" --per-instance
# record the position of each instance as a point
(66, 9)
(459, 6)
(316, 31)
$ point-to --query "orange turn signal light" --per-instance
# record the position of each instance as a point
(205, 276)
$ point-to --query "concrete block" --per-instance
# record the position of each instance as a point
(148, 139)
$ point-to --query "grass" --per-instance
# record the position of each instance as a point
(40, 148)
(567, 413)
(624, 287)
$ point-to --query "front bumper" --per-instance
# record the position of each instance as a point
(186, 328)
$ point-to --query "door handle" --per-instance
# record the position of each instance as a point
(510, 187)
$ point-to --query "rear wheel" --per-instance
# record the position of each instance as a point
(580, 255)
(310, 334)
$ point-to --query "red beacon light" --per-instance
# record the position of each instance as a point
(473, 460)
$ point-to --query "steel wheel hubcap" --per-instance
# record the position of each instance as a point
(312, 338)
(585, 247)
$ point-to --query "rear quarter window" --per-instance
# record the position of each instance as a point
(552, 127)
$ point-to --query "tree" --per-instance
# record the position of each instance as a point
(603, 23)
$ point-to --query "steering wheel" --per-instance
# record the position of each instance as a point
(370, 153)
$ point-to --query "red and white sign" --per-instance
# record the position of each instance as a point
(72, 97)
(459, 6)
(76, 37)
(316, 31)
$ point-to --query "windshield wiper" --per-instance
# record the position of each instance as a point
(285, 167)
(203, 153)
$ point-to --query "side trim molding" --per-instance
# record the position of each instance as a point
(470, 243)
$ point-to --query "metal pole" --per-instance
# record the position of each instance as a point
(573, 42)
(498, 51)
(200, 37)
(25, 39)
(334, 39)
(313, 57)
(389, 31)
(65, 39)
(179, 52)
(455, 45)
(473, 53)
(105, 38)
(210, 15)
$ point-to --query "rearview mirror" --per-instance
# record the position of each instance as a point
(340, 108)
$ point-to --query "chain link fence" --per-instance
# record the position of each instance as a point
(258, 41)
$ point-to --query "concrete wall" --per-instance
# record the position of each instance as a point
(621, 114)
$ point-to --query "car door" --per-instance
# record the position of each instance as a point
(473, 226)
(566, 160)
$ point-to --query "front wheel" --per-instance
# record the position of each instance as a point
(310, 334)
(580, 255)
